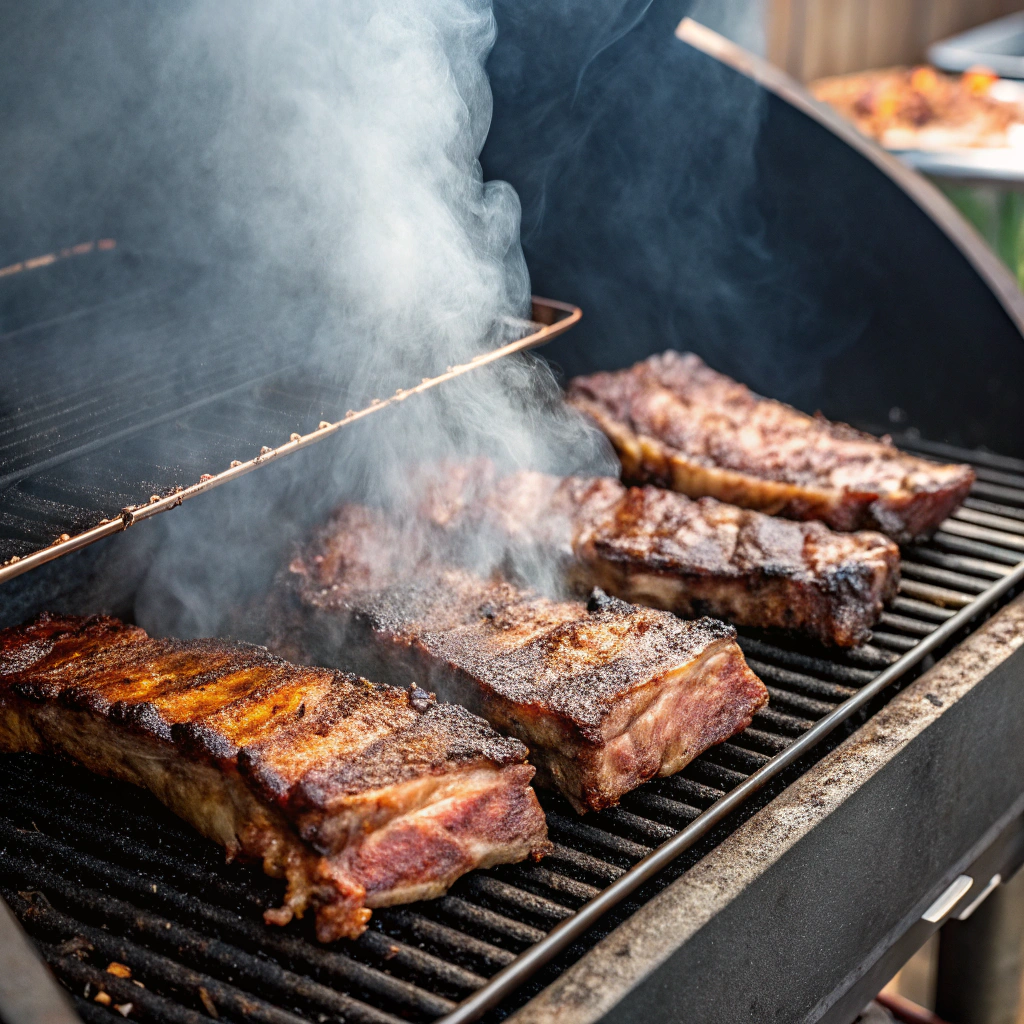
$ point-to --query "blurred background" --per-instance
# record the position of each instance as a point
(816, 39)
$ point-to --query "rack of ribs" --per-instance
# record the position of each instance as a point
(678, 423)
(605, 694)
(359, 794)
(656, 547)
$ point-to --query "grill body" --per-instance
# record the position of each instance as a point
(807, 910)
(847, 853)
(792, 907)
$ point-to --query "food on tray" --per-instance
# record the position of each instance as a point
(678, 423)
(921, 108)
(605, 694)
(360, 795)
(660, 548)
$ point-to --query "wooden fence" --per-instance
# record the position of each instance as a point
(813, 38)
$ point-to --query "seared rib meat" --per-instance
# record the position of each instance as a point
(678, 423)
(361, 795)
(659, 548)
(606, 695)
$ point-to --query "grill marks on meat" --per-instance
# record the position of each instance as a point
(606, 695)
(678, 423)
(660, 548)
(361, 795)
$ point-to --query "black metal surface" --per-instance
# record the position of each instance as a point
(98, 872)
(828, 923)
(681, 205)
(1002, 855)
(981, 960)
(120, 383)
(155, 390)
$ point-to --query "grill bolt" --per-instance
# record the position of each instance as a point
(294, 437)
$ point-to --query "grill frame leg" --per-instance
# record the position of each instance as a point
(981, 960)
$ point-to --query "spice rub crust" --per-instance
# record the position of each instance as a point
(359, 794)
(661, 548)
(605, 694)
(676, 422)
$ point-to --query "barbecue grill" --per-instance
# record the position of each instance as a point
(782, 875)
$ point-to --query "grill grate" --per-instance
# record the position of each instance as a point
(98, 873)
(108, 419)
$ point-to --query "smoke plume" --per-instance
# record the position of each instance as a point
(328, 159)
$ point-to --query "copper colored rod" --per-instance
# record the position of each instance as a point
(134, 514)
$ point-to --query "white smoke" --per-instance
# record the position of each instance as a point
(340, 172)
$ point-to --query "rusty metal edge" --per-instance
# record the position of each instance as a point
(564, 315)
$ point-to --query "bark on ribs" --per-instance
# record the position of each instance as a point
(606, 695)
(660, 548)
(678, 423)
(361, 795)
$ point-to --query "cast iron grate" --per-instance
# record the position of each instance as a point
(100, 873)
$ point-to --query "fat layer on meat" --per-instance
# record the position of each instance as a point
(657, 547)
(605, 694)
(678, 423)
(360, 795)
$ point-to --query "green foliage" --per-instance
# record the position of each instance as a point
(998, 215)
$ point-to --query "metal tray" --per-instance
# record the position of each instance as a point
(998, 45)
